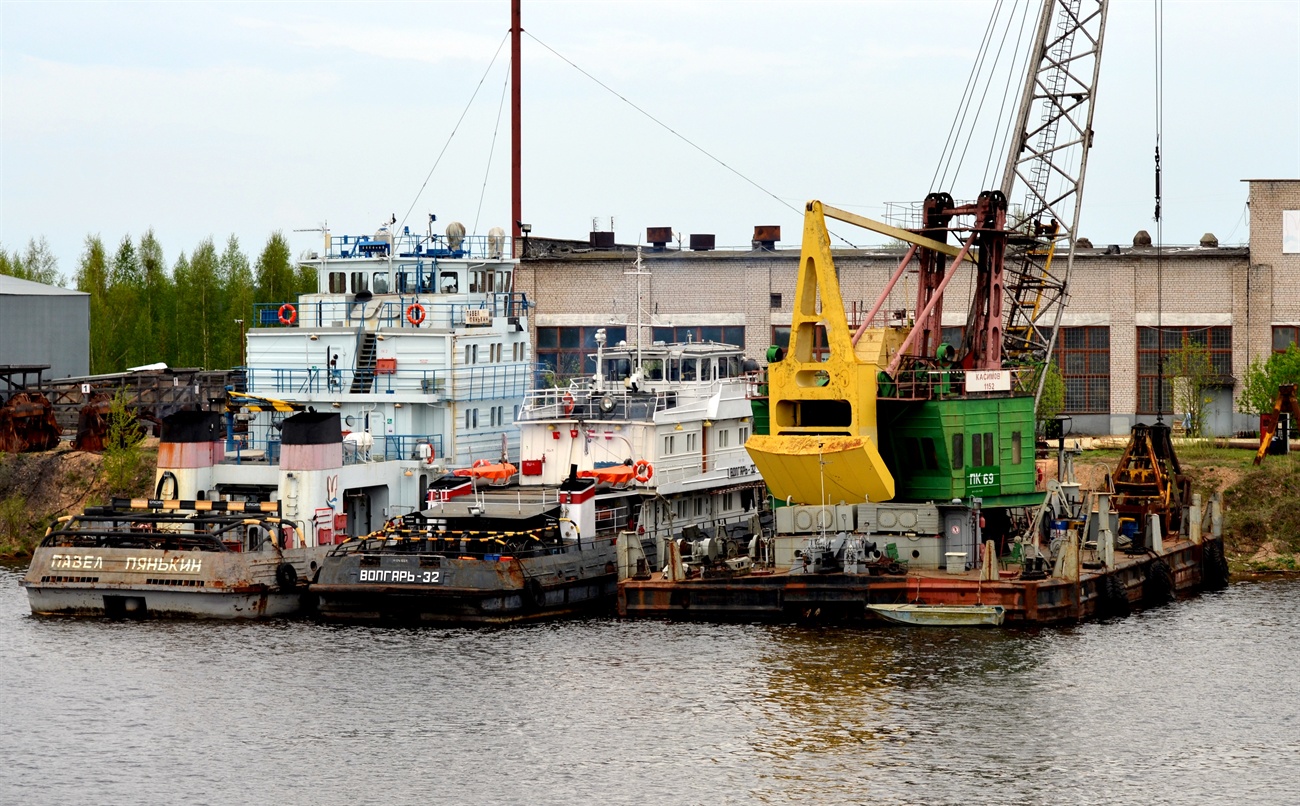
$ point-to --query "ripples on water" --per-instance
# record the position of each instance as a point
(1194, 703)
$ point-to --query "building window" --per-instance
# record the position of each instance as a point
(1216, 340)
(1285, 336)
(471, 418)
(730, 334)
(670, 445)
(564, 350)
(776, 302)
(724, 438)
(690, 443)
(1083, 356)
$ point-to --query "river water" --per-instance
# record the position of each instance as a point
(1198, 702)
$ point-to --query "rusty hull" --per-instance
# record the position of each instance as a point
(156, 583)
(840, 597)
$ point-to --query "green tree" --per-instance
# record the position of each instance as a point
(189, 352)
(1191, 370)
(199, 307)
(37, 263)
(237, 282)
(1052, 401)
(123, 459)
(92, 278)
(1262, 379)
(127, 328)
(158, 307)
(276, 279)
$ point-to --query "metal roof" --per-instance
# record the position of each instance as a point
(26, 288)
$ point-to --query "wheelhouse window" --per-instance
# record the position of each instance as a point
(729, 334)
(358, 282)
(338, 282)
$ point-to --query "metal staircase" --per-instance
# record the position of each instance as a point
(363, 376)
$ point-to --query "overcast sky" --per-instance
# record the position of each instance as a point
(201, 119)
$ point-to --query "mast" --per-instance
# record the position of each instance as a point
(516, 136)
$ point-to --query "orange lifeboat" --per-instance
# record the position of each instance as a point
(493, 472)
(617, 474)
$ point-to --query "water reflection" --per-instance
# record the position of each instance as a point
(1181, 705)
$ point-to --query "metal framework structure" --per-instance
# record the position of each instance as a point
(1045, 167)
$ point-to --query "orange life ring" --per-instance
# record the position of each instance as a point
(415, 313)
(481, 463)
(643, 471)
(568, 404)
(288, 314)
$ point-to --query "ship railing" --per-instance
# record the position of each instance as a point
(429, 543)
(396, 313)
(407, 244)
(922, 382)
(261, 445)
(611, 520)
(409, 446)
(579, 401)
(507, 380)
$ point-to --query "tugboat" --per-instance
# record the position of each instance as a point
(613, 469)
(410, 358)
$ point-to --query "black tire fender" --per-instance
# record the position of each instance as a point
(286, 576)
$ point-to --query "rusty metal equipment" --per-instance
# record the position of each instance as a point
(27, 423)
(1149, 481)
(1283, 402)
(92, 424)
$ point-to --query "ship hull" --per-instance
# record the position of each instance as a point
(147, 584)
(846, 597)
(439, 590)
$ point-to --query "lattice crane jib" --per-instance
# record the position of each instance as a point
(1046, 166)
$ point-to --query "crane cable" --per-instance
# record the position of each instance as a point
(1158, 25)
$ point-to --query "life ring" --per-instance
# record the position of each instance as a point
(481, 463)
(568, 404)
(415, 313)
(643, 471)
(288, 314)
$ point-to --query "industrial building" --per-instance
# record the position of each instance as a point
(44, 324)
(1239, 301)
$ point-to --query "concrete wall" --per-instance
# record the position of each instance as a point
(46, 328)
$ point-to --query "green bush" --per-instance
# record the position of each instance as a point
(1260, 383)
(123, 457)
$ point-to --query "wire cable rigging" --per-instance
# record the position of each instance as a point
(505, 85)
(454, 129)
(674, 132)
(1158, 29)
